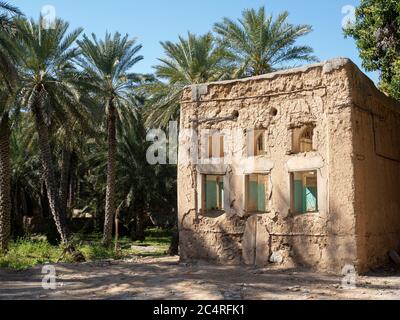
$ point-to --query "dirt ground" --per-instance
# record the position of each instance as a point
(166, 278)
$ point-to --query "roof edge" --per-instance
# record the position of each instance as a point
(328, 66)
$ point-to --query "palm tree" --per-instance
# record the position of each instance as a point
(26, 183)
(146, 190)
(7, 83)
(194, 60)
(5, 184)
(7, 11)
(70, 142)
(48, 90)
(258, 44)
(7, 31)
(107, 64)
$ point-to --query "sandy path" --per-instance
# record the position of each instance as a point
(165, 278)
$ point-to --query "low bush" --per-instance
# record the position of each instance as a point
(28, 252)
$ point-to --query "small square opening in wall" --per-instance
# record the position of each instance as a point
(213, 196)
(304, 192)
(215, 146)
(256, 193)
(256, 143)
(303, 139)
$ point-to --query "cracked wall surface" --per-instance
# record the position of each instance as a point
(321, 95)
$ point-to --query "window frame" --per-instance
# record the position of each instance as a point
(210, 142)
(306, 137)
(204, 208)
(252, 146)
(260, 135)
(247, 194)
(304, 173)
(298, 138)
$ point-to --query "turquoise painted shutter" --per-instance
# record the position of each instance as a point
(298, 196)
(252, 199)
(261, 197)
(211, 195)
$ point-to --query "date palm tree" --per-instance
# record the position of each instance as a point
(145, 189)
(47, 89)
(5, 183)
(192, 60)
(259, 44)
(107, 67)
(26, 182)
(7, 85)
(7, 32)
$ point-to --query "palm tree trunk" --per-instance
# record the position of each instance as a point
(49, 173)
(72, 186)
(5, 182)
(140, 235)
(64, 181)
(111, 175)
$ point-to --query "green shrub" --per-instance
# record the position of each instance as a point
(26, 253)
(98, 252)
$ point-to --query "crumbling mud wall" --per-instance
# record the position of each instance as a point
(319, 95)
(376, 123)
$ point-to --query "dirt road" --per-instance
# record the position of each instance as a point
(165, 278)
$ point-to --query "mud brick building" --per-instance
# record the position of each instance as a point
(299, 167)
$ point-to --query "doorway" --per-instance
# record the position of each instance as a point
(256, 244)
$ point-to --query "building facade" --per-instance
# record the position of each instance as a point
(299, 168)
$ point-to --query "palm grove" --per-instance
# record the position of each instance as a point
(74, 116)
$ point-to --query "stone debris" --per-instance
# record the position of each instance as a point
(276, 258)
(294, 289)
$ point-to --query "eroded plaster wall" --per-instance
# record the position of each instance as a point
(376, 122)
(279, 102)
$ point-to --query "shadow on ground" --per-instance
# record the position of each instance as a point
(165, 278)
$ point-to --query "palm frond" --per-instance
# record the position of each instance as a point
(259, 44)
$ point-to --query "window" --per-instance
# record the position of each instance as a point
(213, 192)
(215, 146)
(303, 139)
(306, 140)
(260, 144)
(256, 193)
(304, 192)
(256, 143)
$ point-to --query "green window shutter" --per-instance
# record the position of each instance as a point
(256, 193)
(261, 197)
(211, 195)
(252, 197)
(214, 192)
(298, 196)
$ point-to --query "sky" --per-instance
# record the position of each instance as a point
(152, 21)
